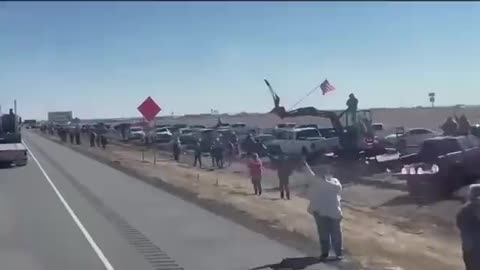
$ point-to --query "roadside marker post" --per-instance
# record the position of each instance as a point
(154, 156)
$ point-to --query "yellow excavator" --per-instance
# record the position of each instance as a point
(357, 139)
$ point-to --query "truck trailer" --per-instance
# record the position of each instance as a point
(12, 150)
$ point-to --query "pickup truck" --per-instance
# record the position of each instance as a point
(443, 165)
(301, 141)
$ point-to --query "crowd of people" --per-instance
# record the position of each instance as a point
(324, 191)
(456, 126)
(74, 135)
(221, 151)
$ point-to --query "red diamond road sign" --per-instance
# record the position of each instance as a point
(149, 109)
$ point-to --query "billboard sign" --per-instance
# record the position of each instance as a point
(60, 117)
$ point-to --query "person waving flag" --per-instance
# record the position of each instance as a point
(326, 87)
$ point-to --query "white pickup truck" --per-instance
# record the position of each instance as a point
(301, 141)
(13, 153)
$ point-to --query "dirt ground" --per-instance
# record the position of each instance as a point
(376, 237)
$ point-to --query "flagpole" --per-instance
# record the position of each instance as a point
(302, 99)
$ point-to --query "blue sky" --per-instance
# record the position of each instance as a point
(101, 59)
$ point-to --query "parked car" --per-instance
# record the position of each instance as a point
(286, 125)
(187, 136)
(163, 135)
(264, 138)
(136, 133)
(241, 129)
(443, 165)
(411, 138)
(308, 126)
(197, 126)
(301, 141)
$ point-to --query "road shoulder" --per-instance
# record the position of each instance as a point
(375, 244)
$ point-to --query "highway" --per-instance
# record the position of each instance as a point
(66, 211)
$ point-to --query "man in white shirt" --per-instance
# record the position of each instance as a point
(324, 196)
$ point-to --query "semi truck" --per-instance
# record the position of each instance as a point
(12, 150)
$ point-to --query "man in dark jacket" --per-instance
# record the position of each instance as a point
(92, 138)
(71, 135)
(285, 168)
(230, 152)
(468, 222)
(218, 153)
(198, 154)
(450, 127)
(176, 150)
(352, 107)
(104, 141)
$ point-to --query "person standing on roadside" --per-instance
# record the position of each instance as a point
(255, 167)
(464, 126)
(324, 196)
(197, 154)
(98, 139)
(92, 138)
(218, 153)
(77, 135)
(450, 127)
(176, 150)
(230, 152)
(71, 135)
(285, 169)
(104, 140)
(468, 222)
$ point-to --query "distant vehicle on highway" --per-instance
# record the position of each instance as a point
(412, 137)
(136, 133)
(30, 123)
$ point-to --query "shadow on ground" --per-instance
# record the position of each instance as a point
(291, 264)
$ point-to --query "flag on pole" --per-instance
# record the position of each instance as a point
(326, 87)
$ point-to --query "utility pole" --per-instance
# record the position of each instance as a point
(15, 125)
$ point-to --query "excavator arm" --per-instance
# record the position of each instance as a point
(311, 111)
(306, 111)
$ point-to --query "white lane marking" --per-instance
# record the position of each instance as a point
(82, 228)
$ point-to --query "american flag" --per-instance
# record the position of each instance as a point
(326, 87)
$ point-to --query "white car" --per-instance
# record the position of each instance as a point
(413, 137)
(301, 141)
(163, 135)
(136, 133)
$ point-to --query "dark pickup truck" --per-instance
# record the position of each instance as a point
(443, 165)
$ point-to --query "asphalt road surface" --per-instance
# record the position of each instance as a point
(66, 211)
